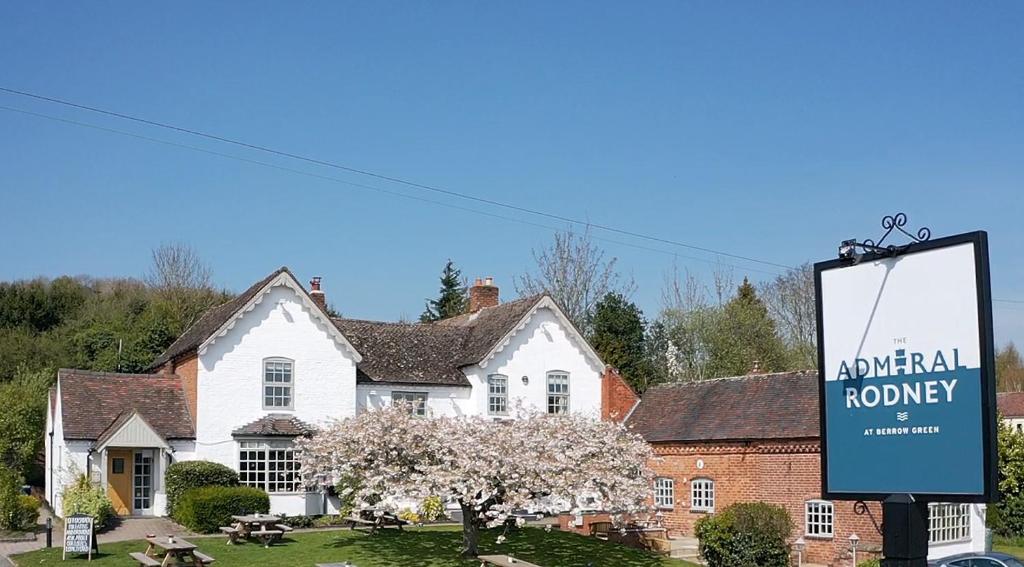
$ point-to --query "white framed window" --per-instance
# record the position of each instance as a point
(702, 495)
(558, 392)
(664, 492)
(819, 518)
(497, 394)
(417, 401)
(278, 375)
(949, 522)
(269, 465)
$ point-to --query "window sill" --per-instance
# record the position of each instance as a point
(820, 537)
(701, 511)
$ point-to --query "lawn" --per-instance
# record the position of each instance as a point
(1011, 546)
(427, 547)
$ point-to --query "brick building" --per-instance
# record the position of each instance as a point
(755, 439)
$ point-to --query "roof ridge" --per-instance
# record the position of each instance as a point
(106, 374)
(681, 384)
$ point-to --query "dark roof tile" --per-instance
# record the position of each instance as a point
(92, 401)
(763, 406)
(275, 424)
(1010, 404)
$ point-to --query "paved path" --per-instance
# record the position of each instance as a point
(125, 529)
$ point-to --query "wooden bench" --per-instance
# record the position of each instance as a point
(504, 561)
(232, 534)
(203, 558)
(145, 560)
(353, 520)
(284, 528)
(266, 536)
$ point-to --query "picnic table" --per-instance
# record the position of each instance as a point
(375, 520)
(263, 527)
(174, 550)
(504, 561)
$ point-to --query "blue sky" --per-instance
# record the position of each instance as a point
(771, 130)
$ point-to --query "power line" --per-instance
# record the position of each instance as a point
(359, 185)
(392, 179)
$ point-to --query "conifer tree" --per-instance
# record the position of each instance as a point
(452, 299)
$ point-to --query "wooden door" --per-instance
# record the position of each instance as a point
(119, 480)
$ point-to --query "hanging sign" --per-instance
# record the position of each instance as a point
(906, 373)
(79, 535)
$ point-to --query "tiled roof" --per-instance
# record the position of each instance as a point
(212, 320)
(275, 424)
(1010, 404)
(763, 406)
(92, 401)
(431, 353)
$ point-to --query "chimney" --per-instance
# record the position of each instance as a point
(316, 294)
(756, 369)
(617, 398)
(483, 294)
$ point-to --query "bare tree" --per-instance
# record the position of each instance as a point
(576, 274)
(790, 301)
(182, 279)
(177, 266)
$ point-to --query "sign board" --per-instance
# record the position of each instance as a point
(79, 535)
(906, 373)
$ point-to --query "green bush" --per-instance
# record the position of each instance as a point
(28, 512)
(184, 475)
(431, 509)
(870, 563)
(298, 521)
(84, 497)
(10, 506)
(750, 533)
(206, 509)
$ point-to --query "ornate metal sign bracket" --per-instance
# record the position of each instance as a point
(860, 508)
(848, 249)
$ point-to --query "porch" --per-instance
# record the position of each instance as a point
(131, 459)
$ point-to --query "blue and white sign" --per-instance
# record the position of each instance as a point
(907, 387)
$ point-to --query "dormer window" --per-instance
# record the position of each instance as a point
(278, 375)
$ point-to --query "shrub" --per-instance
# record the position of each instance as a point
(12, 515)
(870, 563)
(431, 509)
(298, 521)
(205, 509)
(28, 512)
(330, 520)
(184, 475)
(409, 516)
(84, 497)
(746, 534)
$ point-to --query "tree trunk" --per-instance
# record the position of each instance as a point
(470, 531)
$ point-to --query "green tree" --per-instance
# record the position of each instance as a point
(618, 336)
(23, 420)
(1006, 517)
(1009, 369)
(744, 333)
(452, 299)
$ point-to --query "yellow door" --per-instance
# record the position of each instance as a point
(119, 479)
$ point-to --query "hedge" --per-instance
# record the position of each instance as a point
(752, 533)
(183, 475)
(206, 509)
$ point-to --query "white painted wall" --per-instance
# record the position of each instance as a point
(230, 378)
(441, 400)
(543, 345)
(975, 543)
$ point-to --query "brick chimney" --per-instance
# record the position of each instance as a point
(756, 368)
(316, 294)
(483, 294)
(617, 398)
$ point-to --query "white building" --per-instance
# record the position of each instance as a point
(270, 365)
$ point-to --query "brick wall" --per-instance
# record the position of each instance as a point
(617, 398)
(783, 473)
(188, 370)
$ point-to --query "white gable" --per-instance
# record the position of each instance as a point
(134, 432)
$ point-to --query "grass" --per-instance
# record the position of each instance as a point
(1012, 546)
(426, 547)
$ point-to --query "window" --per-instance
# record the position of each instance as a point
(949, 522)
(417, 401)
(277, 383)
(268, 465)
(497, 394)
(117, 465)
(558, 392)
(818, 518)
(664, 492)
(702, 495)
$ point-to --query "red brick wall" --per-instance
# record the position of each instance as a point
(617, 398)
(783, 473)
(188, 370)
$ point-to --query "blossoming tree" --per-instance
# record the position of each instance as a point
(490, 468)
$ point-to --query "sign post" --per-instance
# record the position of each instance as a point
(906, 379)
(79, 535)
